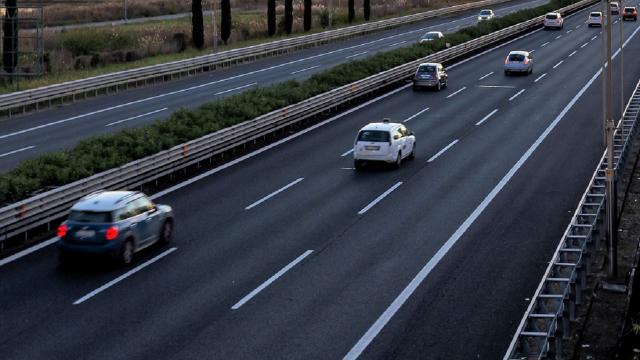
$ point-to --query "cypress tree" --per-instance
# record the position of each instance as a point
(271, 16)
(225, 23)
(288, 16)
(352, 10)
(307, 15)
(197, 24)
(367, 9)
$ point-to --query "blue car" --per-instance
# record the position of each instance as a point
(114, 223)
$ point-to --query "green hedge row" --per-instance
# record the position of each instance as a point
(105, 152)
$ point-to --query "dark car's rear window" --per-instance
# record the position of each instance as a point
(427, 69)
(595, 15)
(90, 216)
(516, 57)
(373, 136)
(552, 16)
(628, 10)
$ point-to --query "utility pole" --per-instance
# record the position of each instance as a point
(621, 62)
(330, 13)
(610, 173)
(214, 7)
(125, 11)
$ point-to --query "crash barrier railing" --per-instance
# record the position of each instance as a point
(47, 96)
(547, 320)
(42, 209)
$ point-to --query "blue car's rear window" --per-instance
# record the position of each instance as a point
(90, 216)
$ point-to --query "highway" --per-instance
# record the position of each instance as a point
(435, 260)
(24, 137)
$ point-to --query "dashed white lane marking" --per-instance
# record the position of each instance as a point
(123, 276)
(540, 77)
(379, 198)
(578, 26)
(486, 117)
(437, 155)
(583, 45)
(273, 194)
(545, 44)
(595, 37)
(457, 92)
(305, 69)
(347, 152)
(17, 151)
(357, 54)
(558, 64)
(573, 53)
(569, 31)
(558, 37)
(397, 43)
(485, 76)
(496, 86)
(235, 89)
(269, 281)
(416, 115)
(517, 94)
(137, 117)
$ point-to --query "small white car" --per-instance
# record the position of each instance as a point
(518, 62)
(553, 20)
(615, 8)
(431, 36)
(485, 15)
(385, 142)
(595, 19)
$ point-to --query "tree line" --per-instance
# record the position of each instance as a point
(225, 14)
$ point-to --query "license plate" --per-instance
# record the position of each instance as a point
(85, 233)
(372, 147)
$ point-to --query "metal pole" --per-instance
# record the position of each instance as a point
(621, 62)
(611, 195)
(604, 80)
(215, 25)
(125, 11)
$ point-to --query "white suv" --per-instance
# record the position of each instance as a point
(553, 20)
(383, 142)
(595, 19)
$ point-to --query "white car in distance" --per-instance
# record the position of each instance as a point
(485, 15)
(383, 142)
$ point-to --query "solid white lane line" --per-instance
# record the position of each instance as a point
(415, 115)
(496, 86)
(27, 251)
(569, 31)
(431, 159)
(595, 37)
(305, 69)
(573, 53)
(517, 94)
(379, 198)
(397, 303)
(137, 117)
(485, 76)
(486, 117)
(583, 45)
(235, 89)
(457, 92)
(123, 276)
(540, 77)
(273, 194)
(358, 54)
(545, 44)
(398, 43)
(558, 64)
(452, 28)
(17, 151)
(269, 281)
(347, 152)
(558, 37)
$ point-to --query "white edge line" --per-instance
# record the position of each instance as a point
(379, 198)
(17, 151)
(123, 276)
(269, 281)
(539, 78)
(305, 69)
(517, 94)
(237, 88)
(386, 316)
(486, 117)
(416, 115)
(347, 152)
(457, 92)
(176, 187)
(273, 194)
(443, 150)
(137, 116)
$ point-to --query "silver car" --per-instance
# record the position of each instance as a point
(430, 75)
(485, 15)
(431, 36)
(518, 62)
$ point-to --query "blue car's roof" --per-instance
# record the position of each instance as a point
(104, 201)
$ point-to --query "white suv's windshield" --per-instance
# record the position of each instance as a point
(373, 136)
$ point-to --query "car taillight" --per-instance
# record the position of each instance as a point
(111, 233)
(62, 230)
(506, 60)
(526, 61)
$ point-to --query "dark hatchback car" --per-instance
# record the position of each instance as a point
(630, 13)
(114, 223)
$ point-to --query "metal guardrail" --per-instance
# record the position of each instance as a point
(52, 205)
(547, 319)
(23, 101)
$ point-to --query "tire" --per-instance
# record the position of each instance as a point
(506, 73)
(166, 233)
(413, 152)
(126, 253)
(415, 87)
(439, 86)
(398, 162)
(357, 164)
(446, 83)
(530, 71)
